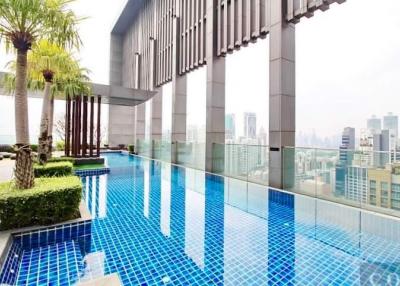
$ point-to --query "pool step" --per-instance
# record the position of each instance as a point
(57, 264)
(108, 280)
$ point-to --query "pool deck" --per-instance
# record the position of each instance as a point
(6, 170)
(108, 280)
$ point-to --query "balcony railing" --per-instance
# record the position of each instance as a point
(362, 179)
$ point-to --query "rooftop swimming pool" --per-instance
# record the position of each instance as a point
(159, 224)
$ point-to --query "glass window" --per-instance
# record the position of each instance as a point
(384, 189)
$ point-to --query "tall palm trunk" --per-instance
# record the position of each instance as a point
(50, 129)
(43, 147)
(24, 176)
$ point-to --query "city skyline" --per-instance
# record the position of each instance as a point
(371, 84)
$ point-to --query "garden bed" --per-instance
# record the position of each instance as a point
(52, 200)
(53, 169)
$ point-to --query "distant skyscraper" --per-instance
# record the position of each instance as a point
(391, 123)
(250, 125)
(356, 184)
(374, 125)
(381, 147)
(345, 159)
(230, 126)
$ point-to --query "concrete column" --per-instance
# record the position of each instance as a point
(282, 100)
(156, 120)
(121, 125)
(179, 97)
(121, 119)
(140, 121)
(215, 102)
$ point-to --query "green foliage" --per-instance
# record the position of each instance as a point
(52, 200)
(53, 169)
(60, 145)
(68, 78)
(33, 20)
(89, 166)
(34, 147)
(131, 148)
(7, 148)
(61, 159)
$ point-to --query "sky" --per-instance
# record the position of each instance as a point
(347, 65)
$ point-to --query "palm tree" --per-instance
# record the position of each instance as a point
(54, 71)
(23, 23)
(46, 62)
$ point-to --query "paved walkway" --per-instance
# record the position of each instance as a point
(6, 169)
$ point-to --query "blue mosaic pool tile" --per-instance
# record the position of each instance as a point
(152, 230)
(11, 265)
(57, 264)
(92, 172)
(60, 233)
(281, 198)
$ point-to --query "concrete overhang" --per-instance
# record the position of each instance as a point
(118, 95)
(127, 16)
(114, 95)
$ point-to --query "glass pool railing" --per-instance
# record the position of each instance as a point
(363, 179)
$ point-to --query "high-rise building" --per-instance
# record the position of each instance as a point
(374, 125)
(345, 159)
(381, 148)
(230, 126)
(250, 125)
(356, 184)
(391, 123)
(384, 187)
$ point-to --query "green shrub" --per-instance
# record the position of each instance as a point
(131, 148)
(34, 147)
(61, 159)
(53, 169)
(60, 145)
(52, 200)
(7, 148)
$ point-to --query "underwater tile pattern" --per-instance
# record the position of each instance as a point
(92, 172)
(151, 228)
(11, 266)
(57, 264)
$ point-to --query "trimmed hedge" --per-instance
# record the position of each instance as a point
(61, 159)
(53, 169)
(34, 147)
(7, 148)
(131, 148)
(51, 201)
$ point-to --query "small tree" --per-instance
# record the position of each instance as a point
(23, 23)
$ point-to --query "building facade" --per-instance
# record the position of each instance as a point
(155, 42)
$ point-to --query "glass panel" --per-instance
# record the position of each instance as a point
(157, 149)
(190, 154)
(235, 160)
(299, 170)
(257, 164)
(328, 172)
(383, 183)
(165, 145)
(143, 147)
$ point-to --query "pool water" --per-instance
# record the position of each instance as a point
(159, 224)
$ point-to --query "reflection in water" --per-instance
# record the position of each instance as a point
(146, 169)
(166, 223)
(165, 199)
(195, 216)
(95, 194)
